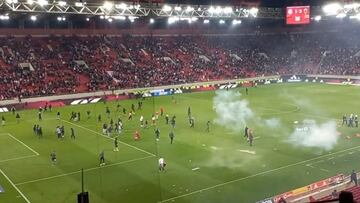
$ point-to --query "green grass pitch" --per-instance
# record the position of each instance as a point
(224, 173)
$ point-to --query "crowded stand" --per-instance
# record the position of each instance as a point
(62, 65)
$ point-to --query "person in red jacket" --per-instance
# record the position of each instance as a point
(136, 135)
(161, 111)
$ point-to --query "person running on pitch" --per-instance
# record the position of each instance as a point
(53, 157)
(116, 145)
(102, 158)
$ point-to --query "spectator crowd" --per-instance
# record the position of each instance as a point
(39, 66)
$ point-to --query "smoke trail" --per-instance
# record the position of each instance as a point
(323, 136)
(232, 111)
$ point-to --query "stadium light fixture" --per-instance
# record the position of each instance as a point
(254, 11)
(199, 9)
(121, 6)
(192, 19)
(211, 9)
(88, 19)
(341, 15)
(166, 8)
(355, 17)
(173, 19)
(110, 20)
(61, 18)
(228, 10)
(132, 18)
(12, 1)
(317, 18)
(116, 17)
(206, 21)
(102, 17)
(236, 22)
(332, 9)
(189, 9)
(218, 9)
(108, 5)
(33, 18)
(177, 8)
(4, 17)
(352, 6)
(222, 21)
(79, 4)
(42, 2)
(152, 21)
(62, 3)
(137, 6)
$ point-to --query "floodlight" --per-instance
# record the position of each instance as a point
(332, 9)
(62, 3)
(108, 5)
(317, 18)
(33, 18)
(166, 8)
(42, 2)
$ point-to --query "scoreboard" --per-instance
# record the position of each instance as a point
(297, 15)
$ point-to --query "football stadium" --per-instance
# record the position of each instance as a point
(157, 101)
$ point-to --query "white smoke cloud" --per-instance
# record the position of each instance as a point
(272, 123)
(323, 136)
(232, 111)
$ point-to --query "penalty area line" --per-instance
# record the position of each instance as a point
(256, 175)
(35, 152)
(85, 170)
(16, 188)
(124, 143)
(18, 158)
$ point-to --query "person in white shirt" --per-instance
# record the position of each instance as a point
(141, 121)
(162, 164)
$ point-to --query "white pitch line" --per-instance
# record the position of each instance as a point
(316, 162)
(16, 188)
(255, 175)
(17, 158)
(322, 169)
(35, 152)
(124, 143)
(85, 170)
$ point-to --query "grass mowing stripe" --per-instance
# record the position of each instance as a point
(16, 188)
(85, 170)
(17, 158)
(26, 120)
(124, 143)
(257, 174)
(21, 143)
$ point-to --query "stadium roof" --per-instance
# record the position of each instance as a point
(226, 9)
